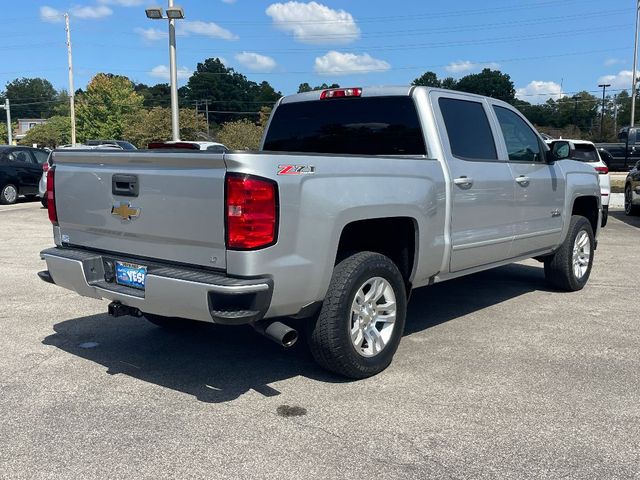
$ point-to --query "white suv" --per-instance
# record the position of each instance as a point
(587, 152)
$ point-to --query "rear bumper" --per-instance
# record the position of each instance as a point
(169, 290)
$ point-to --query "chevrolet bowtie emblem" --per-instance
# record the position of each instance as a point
(125, 211)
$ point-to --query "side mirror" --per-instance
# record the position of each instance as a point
(560, 149)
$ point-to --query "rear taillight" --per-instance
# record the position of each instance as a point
(51, 196)
(340, 93)
(45, 167)
(602, 170)
(251, 212)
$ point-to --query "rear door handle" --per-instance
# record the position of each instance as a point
(523, 180)
(463, 181)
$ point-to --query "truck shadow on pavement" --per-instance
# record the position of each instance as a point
(623, 217)
(219, 363)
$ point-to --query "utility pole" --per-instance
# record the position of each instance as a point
(206, 110)
(575, 112)
(7, 107)
(604, 88)
(615, 114)
(72, 94)
(635, 62)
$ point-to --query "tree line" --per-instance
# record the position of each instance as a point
(114, 107)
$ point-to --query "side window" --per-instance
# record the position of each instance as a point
(522, 142)
(468, 129)
(41, 156)
(21, 156)
(216, 149)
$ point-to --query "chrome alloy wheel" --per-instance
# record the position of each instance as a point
(581, 254)
(373, 316)
(10, 194)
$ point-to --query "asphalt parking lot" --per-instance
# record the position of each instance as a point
(496, 377)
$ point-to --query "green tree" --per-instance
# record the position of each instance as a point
(56, 132)
(30, 97)
(492, 83)
(151, 125)
(227, 90)
(449, 83)
(101, 111)
(158, 95)
(305, 87)
(244, 134)
(427, 79)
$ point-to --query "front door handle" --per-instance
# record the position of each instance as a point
(523, 180)
(463, 181)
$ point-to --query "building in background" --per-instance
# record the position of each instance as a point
(26, 124)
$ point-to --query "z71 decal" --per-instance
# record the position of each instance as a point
(296, 169)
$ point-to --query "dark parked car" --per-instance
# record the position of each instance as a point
(20, 171)
(632, 191)
(120, 143)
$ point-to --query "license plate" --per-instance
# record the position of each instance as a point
(131, 275)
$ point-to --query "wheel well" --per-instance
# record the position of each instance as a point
(588, 208)
(394, 237)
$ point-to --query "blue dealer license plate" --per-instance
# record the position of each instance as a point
(131, 275)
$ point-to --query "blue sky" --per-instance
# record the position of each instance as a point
(547, 46)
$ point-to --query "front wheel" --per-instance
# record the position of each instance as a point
(362, 318)
(8, 195)
(629, 207)
(605, 216)
(570, 266)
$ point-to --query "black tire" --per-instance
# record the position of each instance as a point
(605, 216)
(559, 268)
(6, 197)
(629, 208)
(330, 339)
(171, 323)
(43, 201)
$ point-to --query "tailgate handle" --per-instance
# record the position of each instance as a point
(125, 185)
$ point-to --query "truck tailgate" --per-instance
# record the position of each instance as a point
(174, 212)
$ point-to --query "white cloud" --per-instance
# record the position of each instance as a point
(609, 62)
(162, 71)
(50, 15)
(208, 29)
(256, 62)
(123, 3)
(336, 63)
(622, 79)
(314, 23)
(463, 66)
(92, 12)
(539, 91)
(151, 34)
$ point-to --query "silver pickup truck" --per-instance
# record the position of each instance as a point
(356, 197)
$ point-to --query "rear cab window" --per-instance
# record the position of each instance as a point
(468, 129)
(349, 126)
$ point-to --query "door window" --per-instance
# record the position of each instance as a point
(41, 156)
(468, 129)
(522, 143)
(21, 156)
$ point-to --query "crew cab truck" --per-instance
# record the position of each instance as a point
(626, 152)
(356, 197)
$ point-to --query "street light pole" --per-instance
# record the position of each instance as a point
(635, 62)
(173, 13)
(72, 94)
(173, 72)
(604, 88)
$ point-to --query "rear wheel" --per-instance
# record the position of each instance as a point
(43, 201)
(629, 207)
(9, 194)
(362, 318)
(569, 268)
